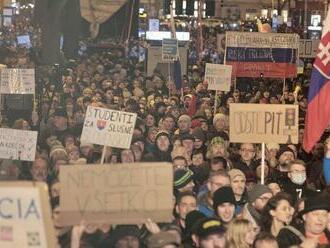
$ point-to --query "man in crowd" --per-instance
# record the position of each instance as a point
(224, 204)
(205, 199)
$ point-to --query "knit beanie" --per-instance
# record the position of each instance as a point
(57, 147)
(256, 191)
(282, 150)
(182, 177)
(223, 195)
(199, 134)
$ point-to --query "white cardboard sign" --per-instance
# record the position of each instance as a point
(108, 127)
(18, 144)
(17, 81)
(218, 76)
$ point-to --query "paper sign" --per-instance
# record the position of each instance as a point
(116, 193)
(108, 127)
(17, 81)
(218, 77)
(263, 123)
(169, 50)
(25, 216)
(18, 144)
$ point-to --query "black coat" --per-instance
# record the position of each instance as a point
(287, 238)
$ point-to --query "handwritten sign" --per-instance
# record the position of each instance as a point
(262, 123)
(25, 216)
(108, 127)
(17, 81)
(116, 194)
(250, 54)
(18, 144)
(218, 77)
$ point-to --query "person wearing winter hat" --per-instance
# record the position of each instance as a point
(191, 222)
(215, 181)
(210, 232)
(183, 180)
(163, 148)
(258, 198)
(238, 184)
(284, 155)
(313, 232)
(224, 204)
(200, 138)
(280, 174)
(217, 147)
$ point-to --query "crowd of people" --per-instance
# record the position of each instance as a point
(219, 199)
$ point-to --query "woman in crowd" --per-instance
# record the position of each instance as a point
(277, 213)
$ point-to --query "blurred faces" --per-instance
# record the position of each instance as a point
(316, 221)
(261, 201)
(186, 205)
(127, 156)
(238, 186)
(283, 212)
(168, 124)
(247, 152)
(60, 122)
(163, 143)
(226, 212)
(184, 125)
(286, 157)
(274, 187)
(128, 242)
(197, 159)
(216, 182)
(213, 241)
(39, 170)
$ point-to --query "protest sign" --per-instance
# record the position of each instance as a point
(17, 81)
(263, 123)
(18, 144)
(221, 43)
(272, 54)
(218, 77)
(116, 193)
(108, 127)
(308, 48)
(25, 216)
(170, 50)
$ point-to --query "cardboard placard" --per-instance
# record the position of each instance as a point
(116, 193)
(25, 216)
(17, 81)
(263, 123)
(218, 76)
(108, 127)
(18, 144)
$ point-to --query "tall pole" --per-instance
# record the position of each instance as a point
(305, 18)
(200, 28)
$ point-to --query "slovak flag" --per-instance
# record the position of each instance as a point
(318, 111)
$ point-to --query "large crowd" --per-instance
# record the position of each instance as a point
(219, 199)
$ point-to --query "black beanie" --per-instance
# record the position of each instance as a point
(282, 150)
(182, 177)
(223, 195)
